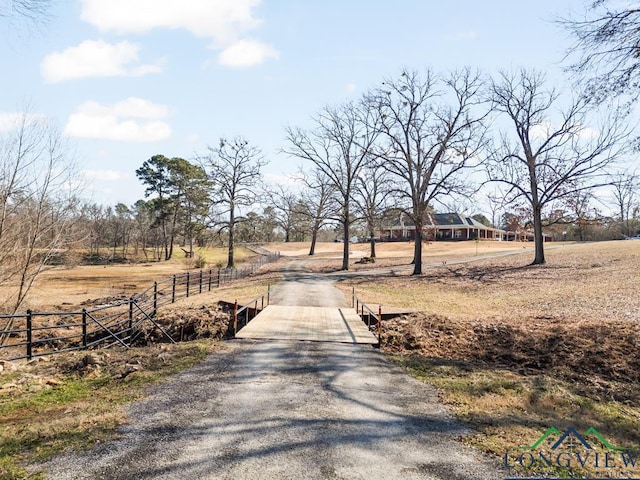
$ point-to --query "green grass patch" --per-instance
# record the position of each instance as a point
(507, 410)
(80, 411)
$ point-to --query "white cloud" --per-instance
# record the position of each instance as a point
(541, 131)
(95, 58)
(246, 53)
(293, 180)
(544, 130)
(588, 133)
(13, 120)
(106, 175)
(222, 20)
(116, 122)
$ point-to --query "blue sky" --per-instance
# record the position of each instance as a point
(128, 79)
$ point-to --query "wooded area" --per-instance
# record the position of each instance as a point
(418, 143)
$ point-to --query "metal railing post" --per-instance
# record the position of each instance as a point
(218, 278)
(173, 290)
(200, 282)
(188, 282)
(84, 328)
(29, 334)
(353, 297)
(155, 298)
(268, 294)
(379, 326)
(235, 318)
(130, 313)
(210, 273)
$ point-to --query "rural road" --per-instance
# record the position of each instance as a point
(287, 410)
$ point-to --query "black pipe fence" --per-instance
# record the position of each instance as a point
(36, 334)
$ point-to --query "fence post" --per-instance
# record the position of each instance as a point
(218, 278)
(188, 282)
(353, 297)
(29, 334)
(155, 298)
(84, 328)
(379, 326)
(268, 293)
(200, 282)
(173, 290)
(210, 273)
(130, 314)
(235, 318)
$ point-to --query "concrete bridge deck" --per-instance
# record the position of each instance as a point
(319, 324)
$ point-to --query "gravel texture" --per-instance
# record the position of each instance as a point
(287, 410)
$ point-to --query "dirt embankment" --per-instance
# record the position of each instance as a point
(584, 351)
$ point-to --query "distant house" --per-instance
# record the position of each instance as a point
(443, 226)
(453, 227)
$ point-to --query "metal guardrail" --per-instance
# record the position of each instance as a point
(28, 336)
(238, 310)
(366, 312)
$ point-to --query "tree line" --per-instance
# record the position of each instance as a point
(409, 145)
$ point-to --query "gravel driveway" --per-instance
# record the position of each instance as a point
(286, 410)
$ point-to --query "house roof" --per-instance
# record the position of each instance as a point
(449, 220)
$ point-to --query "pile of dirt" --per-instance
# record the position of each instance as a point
(581, 350)
(190, 323)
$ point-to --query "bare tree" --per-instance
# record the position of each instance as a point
(285, 207)
(625, 193)
(26, 15)
(540, 163)
(606, 47)
(431, 133)
(339, 147)
(373, 191)
(234, 171)
(36, 204)
(579, 205)
(317, 200)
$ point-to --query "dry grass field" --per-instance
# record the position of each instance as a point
(515, 349)
(60, 287)
(512, 348)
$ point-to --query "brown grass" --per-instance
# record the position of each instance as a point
(589, 281)
(67, 287)
(515, 349)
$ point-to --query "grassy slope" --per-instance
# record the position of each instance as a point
(64, 404)
(515, 349)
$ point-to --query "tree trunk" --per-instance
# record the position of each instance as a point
(538, 237)
(345, 245)
(417, 251)
(230, 260)
(314, 239)
(372, 243)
